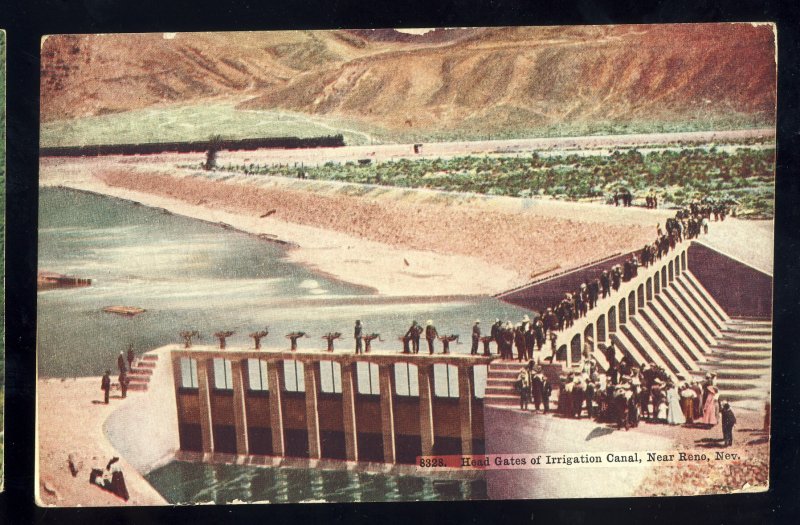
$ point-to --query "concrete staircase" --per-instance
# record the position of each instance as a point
(741, 358)
(500, 384)
(141, 371)
(676, 329)
(500, 392)
(669, 319)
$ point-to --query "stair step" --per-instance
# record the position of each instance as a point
(725, 353)
(146, 364)
(504, 373)
(139, 387)
(735, 396)
(738, 365)
(731, 374)
(738, 346)
(501, 396)
(735, 385)
(500, 389)
(749, 337)
(141, 371)
(138, 379)
(754, 322)
(150, 357)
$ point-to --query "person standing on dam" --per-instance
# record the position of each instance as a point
(476, 336)
(358, 335)
(496, 333)
(413, 335)
(430, 335)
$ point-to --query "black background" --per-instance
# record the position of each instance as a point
(27, 20)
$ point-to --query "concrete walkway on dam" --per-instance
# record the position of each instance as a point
(517, 432)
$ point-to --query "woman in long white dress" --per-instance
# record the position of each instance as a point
(674, 413)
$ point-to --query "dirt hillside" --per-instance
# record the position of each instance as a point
(459, 81)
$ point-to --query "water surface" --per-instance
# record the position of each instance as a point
(189, 274)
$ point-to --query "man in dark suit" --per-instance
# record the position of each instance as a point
(430, 335)
(124, 381)
(121, 363)
(590, 398)
(495, 333)
(476, 336)
(105, 385)
(537, 390)
(594, 292)
(413, 335)
(605, 283)
(547, 390)
(358, 333)
(728, 421)
(131, 357)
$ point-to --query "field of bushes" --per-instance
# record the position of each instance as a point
(676, 176)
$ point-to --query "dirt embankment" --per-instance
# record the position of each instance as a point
(524, 242)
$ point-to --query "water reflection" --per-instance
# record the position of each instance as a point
(181, 482)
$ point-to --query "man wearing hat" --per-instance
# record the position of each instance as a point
(728, 421)
(527, 333)
(430, 335)
(476, 336)
(413, 334)
(495, 333)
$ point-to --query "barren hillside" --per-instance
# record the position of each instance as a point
(458, 82)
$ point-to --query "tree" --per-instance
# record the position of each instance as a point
(214, 145)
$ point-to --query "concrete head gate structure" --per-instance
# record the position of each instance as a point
(378, 407)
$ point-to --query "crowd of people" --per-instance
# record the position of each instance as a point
(626, 395)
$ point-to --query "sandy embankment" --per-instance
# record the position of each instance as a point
(72, 419)
(400, 242)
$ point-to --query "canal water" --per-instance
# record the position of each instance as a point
(181, 482)
(188, 274)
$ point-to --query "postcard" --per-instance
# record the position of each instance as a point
(405, 264)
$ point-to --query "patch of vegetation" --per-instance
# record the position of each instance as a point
(675, 176)
(193, 122)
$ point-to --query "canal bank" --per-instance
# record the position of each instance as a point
(75, 427)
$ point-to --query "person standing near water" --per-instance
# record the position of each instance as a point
(123, 383)
(131, 357)
(105, 385)
(121, 363)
